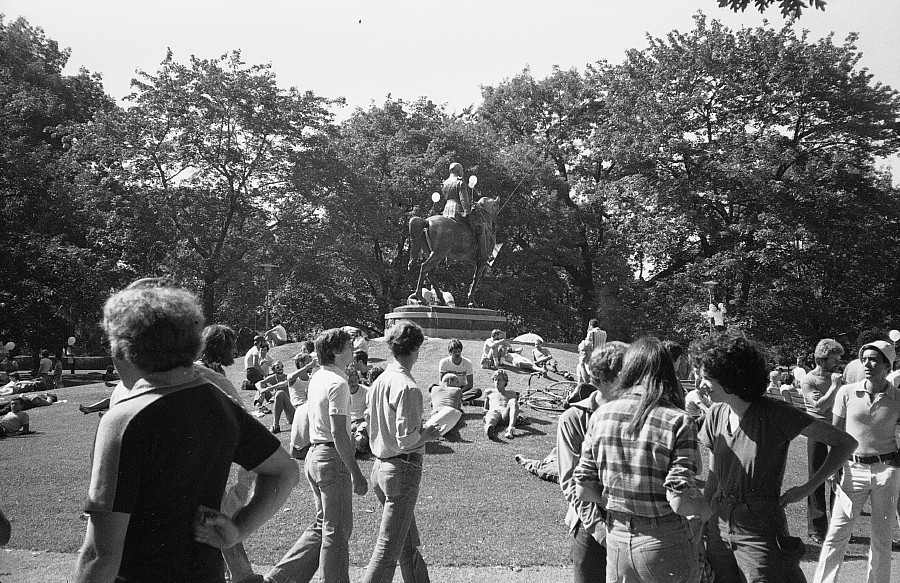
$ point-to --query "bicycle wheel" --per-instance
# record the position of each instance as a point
(544, 401)
(561, 389)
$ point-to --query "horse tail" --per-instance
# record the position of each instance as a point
(417, 227)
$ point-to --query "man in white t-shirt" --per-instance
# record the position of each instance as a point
(277, 335)
(461, 366)
(331, 470)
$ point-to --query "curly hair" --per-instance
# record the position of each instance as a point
(404, 338)
(825, 348)
(155, 328)
(218, 344)
(500, 374)
(454, 344)
(330, 343)
(736, 362)
(606, 361)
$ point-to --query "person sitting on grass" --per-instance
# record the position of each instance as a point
(274, 388)
(359, 427)
(306, 364)
(495, 349)
(446, 394)
(582, 372)
(461, 366)
(543, 359)
(501, 405)
(15, 422)
(256, 362)
(277, 335)
(110, 376)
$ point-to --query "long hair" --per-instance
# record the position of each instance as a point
(648, 365)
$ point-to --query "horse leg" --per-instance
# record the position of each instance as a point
(476, 279)
(430, 262)
(438, 295)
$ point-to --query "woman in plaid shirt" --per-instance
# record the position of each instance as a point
(639, 462)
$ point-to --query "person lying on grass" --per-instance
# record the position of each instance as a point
(16, 421)
(501, 405)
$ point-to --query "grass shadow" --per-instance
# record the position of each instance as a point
(437, 448)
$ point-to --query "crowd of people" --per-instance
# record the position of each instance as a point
(629, 453)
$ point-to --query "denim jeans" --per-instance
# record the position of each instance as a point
(753, 544)
(327, 539)
(647, 550)
(880, 483)
(588, 557)
(396, 484)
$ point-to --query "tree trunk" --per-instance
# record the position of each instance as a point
(210, 277)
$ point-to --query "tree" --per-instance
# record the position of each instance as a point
(789, 8)
(54, 276)
(738, 157)
(220, 156)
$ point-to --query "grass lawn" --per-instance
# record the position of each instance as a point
(477, 506)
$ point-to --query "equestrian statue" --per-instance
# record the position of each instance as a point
(463, 233)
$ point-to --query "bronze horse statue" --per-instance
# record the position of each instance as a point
(445, 238)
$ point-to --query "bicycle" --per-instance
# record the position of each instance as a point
(550, 398)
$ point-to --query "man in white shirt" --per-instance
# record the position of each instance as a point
(331, 469)
(461, 366)
(277, 335)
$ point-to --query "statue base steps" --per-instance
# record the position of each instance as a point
(446, 322)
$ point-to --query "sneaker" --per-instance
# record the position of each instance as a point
(508, 434)
(276, 428)
(519, 459)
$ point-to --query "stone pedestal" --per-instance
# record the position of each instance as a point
(445, 322)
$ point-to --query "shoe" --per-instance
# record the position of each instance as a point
(264, 410)
(508, 434)
(519, 459)
(276, 428)
(84, 409)
(491, 432)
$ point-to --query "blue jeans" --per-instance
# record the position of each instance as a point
(588, 557)
(327, 539)
(647, 550)
(237, 564)
(396, 484)
(753, 544)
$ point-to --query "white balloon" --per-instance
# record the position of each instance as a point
(435, 196)
(10, 346)
(71, 341)
(894, 335)
(473, 180)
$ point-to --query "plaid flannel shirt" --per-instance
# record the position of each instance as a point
(634, 472)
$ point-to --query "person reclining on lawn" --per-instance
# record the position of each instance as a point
(29, 402)
(501, 405)
(16, 421)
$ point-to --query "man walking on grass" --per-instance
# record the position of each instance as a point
(397, 437)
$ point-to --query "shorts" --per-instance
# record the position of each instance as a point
(495, 416)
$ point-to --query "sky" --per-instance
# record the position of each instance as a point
(363, 50)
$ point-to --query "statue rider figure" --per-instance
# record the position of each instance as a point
(458, 205)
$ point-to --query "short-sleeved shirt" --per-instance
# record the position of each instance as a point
(252, 357)
(329, 394)
(636, 470)
(45, 366)
(157, 458)
(696, 404)
(750, 462)
(818, 385)
(395, 413)
(461, 370)
(446, 396)
(873, 423)
(14, 422)
(299, 392)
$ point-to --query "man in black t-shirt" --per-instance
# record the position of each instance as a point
(162, 454)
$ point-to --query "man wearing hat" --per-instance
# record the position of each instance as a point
(869, 411)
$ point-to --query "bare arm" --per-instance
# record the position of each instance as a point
(275, 478)
(841, 447)
(101, 553)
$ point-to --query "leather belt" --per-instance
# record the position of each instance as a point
(325, 443)
(874, 459)
(407, 457)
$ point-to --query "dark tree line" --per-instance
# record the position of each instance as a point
(746, 157)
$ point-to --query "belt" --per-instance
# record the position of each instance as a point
(742, 498)
(407, 457)
(874, 459)
(634, 520)
(325, 443)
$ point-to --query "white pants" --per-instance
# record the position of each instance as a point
(879, 482)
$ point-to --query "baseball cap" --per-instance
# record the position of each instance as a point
(885, 348)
